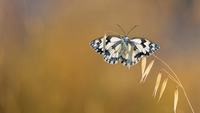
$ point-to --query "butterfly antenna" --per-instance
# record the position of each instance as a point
(110, 32)
(121, 28)
(132, 29)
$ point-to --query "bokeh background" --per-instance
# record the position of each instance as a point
(47, 66)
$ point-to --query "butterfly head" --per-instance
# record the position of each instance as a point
(125, 39)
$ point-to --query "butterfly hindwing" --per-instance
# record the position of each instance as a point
(129, 58)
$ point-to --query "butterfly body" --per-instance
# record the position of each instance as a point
(128, 51)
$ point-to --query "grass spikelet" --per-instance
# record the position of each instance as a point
(146, 72)
(104, 42)
(163, 87)
(143, 64)
(157, 84)
(175, 99)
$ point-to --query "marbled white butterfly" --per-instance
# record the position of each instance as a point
(128, 51)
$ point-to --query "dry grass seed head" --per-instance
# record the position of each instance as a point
(175, 99)
(163, 87)
(157, 84)
(146, 72)
(143, 64)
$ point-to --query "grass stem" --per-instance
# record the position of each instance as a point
(175, 78)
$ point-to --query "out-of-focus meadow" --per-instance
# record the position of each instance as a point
(47, 66)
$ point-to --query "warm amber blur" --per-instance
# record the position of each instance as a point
(47, 65)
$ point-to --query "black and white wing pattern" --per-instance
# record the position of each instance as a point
(140, 47)
(129, 51)
(109, 46)
(144, 46)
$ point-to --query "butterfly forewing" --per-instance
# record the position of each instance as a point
(109, 46)
(142, 48)
(145, 46)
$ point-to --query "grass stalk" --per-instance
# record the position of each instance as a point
(175, 79)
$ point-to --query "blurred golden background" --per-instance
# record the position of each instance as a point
(47, 66)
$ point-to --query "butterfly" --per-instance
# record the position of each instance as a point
(121, 48)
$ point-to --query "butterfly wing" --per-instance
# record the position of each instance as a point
(98, 44)
(145, 46)
(139, 48)
(109, 46)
